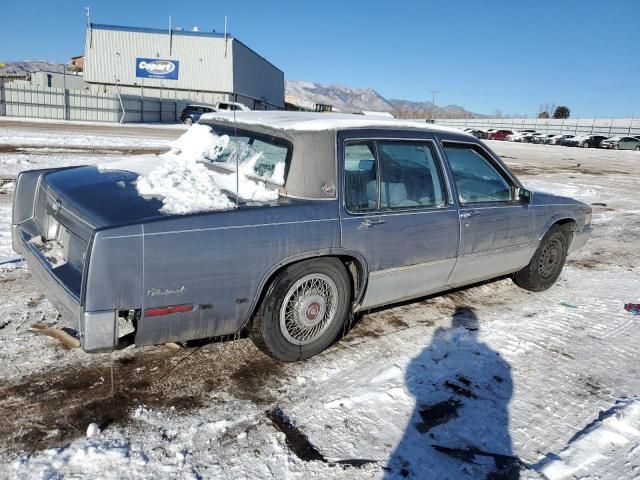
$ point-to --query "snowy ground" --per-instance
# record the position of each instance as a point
(548, 383)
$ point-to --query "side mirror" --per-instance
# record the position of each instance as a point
(523, 195)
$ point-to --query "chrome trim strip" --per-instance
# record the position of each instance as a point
(406, 268)
(69, 211)
(230, 227)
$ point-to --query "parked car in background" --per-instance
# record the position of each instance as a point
(518, 135)
(478, 133)
(289, 270)
(567, 138)
(621, 143)
(192, 112)
(556, 139)
(574, 141)
(585, 141)
(232, 106)
(542, 138)
(534, 137)
(499, 135)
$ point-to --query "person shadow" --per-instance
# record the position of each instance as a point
(460, 425)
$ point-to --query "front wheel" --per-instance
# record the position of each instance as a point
(546, 264)
(638, 148)
(188, 121)
(304, 310)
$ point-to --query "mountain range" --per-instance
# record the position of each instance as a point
(349, 100)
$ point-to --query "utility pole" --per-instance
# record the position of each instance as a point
(433, 102)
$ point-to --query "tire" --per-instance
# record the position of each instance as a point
(585, 145)
(304, 310)
(188, 121)
(637, 148)
(546, 264)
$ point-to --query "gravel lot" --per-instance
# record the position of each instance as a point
(469, 384)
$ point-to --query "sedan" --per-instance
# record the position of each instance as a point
(500, 134)
(353, 213)
(621, 143)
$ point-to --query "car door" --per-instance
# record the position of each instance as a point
(627, 143)
(397, 213)
(497, 231)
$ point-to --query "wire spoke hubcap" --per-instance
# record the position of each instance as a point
(308, 309)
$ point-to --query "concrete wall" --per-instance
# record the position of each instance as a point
(573, 126)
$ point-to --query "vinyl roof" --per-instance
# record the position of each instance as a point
(315, 122)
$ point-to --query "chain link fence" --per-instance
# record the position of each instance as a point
(569, 126)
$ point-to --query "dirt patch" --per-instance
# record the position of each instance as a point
(437, 414)
(34, 302)
(54, 406)
(459, 390)
(80, 150)
(297, 441)
(533, 170)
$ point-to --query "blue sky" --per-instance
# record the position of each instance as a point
(483, 55)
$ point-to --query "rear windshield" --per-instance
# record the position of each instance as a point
(255, 155)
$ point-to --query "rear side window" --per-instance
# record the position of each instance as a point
(409, 175)
(360, 176)
(476, 178)
(388, 175)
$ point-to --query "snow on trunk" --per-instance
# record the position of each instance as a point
(182, 180)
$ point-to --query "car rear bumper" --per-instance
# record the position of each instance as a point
(580, 238)
(97, 330)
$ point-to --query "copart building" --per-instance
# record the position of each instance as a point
(176, 64)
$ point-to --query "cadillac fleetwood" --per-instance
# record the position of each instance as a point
(359, 212)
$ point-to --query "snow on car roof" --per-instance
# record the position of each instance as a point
(315, 122)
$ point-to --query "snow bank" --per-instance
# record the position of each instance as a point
(185, 184)
(614, 430)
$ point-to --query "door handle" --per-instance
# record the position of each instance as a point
(468, 214)
(370, 223)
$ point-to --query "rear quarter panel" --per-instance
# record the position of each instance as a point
(218, 262)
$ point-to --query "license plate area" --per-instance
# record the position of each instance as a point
(53, 244)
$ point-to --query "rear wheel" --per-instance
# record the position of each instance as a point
(546, 264)
(304, 310)
(188, 121)
(638, 148)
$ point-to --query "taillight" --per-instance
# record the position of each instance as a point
(155, 312)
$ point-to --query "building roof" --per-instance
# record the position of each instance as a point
(190, 33)
(315, 122)
(187, 33)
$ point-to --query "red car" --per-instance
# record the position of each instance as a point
(499, 134)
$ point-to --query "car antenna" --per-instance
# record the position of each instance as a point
(235, 134)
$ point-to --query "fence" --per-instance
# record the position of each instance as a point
(574, 126)
(63, 104)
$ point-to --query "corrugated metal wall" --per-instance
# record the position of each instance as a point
(23, 100)
(111, 54)
(207, 64)
(254, 77)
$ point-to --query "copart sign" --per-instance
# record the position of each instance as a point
(157, 68)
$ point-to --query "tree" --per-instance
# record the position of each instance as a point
(562, 112)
